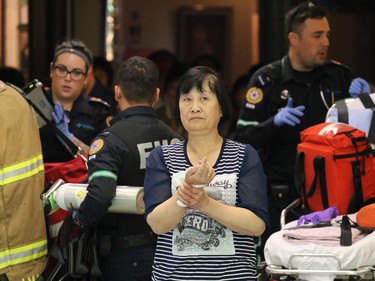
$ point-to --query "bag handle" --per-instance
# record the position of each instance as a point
(342, 111)
(319, 174)
(73, 149)
(346, 232)
(369, 103)
(299, 172)
(357, 198)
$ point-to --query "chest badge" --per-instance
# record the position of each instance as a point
(284, 95)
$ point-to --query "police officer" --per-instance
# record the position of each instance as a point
(118, 157)
(289, 95)
(79, 117)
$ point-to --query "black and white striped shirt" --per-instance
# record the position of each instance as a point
(200, 248)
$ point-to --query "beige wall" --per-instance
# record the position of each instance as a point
(158, 23)
(11, 39)
(87, 24)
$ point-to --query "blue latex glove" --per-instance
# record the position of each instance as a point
(289, 115)
(358, 86)
(319, 216)
(61, 120)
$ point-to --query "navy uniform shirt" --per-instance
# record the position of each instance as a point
(268, 91)
(118, 157)
(89, 116)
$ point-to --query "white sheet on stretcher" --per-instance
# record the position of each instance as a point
(278, 250)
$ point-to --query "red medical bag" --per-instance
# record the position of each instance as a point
(335, 167)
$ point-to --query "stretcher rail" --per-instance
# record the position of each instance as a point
(362, 272)
(365, 273)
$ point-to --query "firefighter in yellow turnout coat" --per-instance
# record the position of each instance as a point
(23, 240)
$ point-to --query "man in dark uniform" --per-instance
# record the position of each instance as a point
(289, 95)
(79, 117)
(118, 157)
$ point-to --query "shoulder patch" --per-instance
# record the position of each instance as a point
(98, 100)
(254, 95)
(96, 146)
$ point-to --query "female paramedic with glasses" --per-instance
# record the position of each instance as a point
(79, 117)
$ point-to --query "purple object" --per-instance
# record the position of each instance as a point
(318, 216)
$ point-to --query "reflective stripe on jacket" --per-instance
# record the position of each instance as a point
(23, 239)
(22, 170)
(22, 254)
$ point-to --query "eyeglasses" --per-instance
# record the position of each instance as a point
(75, 74)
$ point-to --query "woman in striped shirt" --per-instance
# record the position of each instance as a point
(206, 197)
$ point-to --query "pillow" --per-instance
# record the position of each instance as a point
(366, 218)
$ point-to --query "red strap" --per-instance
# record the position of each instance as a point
(58, 216)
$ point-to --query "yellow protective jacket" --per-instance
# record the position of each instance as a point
(23, 239)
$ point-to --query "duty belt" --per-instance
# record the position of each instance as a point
(130, 241)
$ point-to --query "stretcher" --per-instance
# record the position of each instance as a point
(316, 262)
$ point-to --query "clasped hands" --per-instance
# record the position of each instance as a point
(191, 192)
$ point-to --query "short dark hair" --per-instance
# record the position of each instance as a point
(138, 79)
(195, 77)
(296, 16)
(74, 46)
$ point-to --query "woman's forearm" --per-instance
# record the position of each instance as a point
(235, 218)
(166, 216)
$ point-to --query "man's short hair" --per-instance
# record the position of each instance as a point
(295, 18)
(138, 78)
